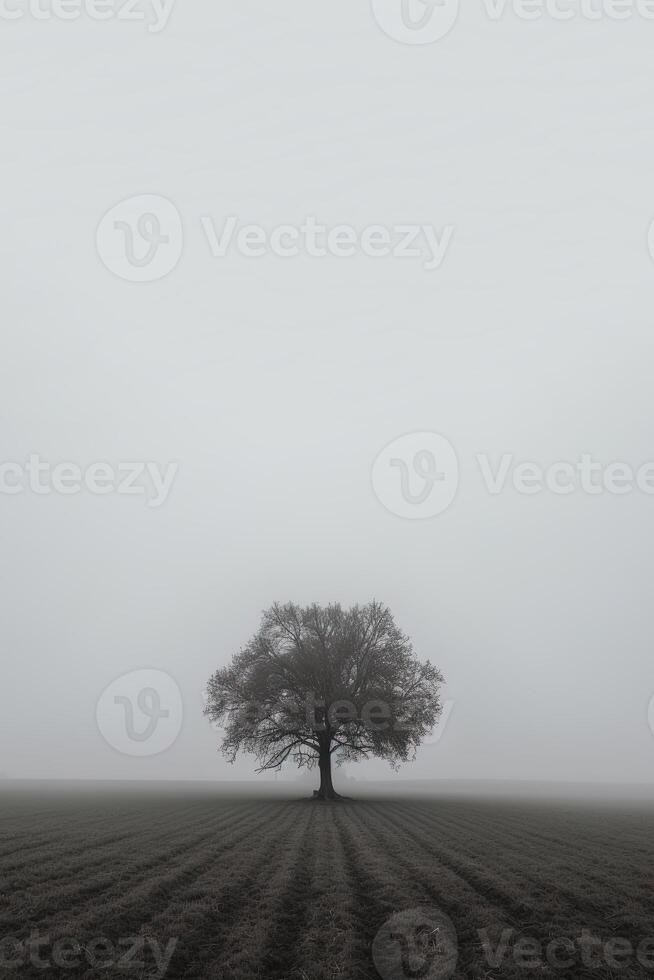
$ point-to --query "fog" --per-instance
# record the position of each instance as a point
(272, 383)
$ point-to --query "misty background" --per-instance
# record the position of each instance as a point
(274, 383)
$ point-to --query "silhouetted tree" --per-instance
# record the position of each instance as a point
(317, 681)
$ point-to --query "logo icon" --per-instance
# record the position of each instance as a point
(650, 714)
(416, 21)
(436, 734)
(417, 475)
(141, 239)
(140, 713)
(650, 239)
(419, 942)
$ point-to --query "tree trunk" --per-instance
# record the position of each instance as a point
(326, 791)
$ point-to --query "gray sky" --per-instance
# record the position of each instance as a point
(274, 382)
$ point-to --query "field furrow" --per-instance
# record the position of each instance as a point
(297, 890)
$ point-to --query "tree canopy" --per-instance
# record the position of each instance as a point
(316, 682)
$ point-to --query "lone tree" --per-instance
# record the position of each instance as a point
(314, 682)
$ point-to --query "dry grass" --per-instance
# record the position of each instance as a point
(296, 890)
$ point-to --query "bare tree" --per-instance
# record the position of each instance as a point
(319, 682)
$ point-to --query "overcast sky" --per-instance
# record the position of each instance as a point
(274, 382)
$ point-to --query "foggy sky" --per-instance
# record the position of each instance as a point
(275, 382)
